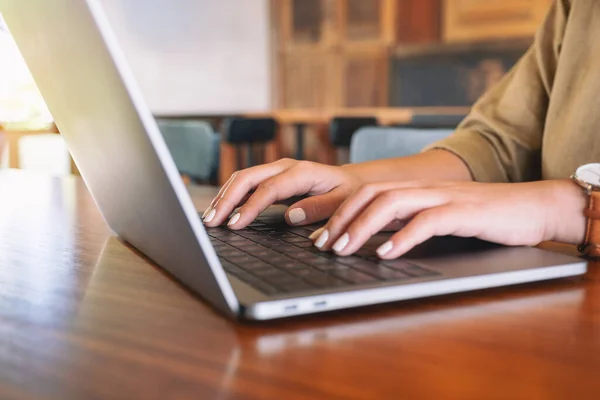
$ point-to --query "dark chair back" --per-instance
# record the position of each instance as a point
(434, 121)
(250, 134)
(341, 129)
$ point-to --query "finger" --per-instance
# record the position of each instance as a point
(358, 201)
(218, 196)
(240, 184)
(437, 221)
(387, 207)
(352, 206)
(293, 182)
(316, 208)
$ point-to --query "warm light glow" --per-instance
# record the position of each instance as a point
(21, 103)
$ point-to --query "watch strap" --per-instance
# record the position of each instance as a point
(591, 244)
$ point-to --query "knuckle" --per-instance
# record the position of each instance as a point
(391, 196)
(237, 174)
(267, 187)
(367, 189)
(303, 165)
(426, 218)
(285, 161)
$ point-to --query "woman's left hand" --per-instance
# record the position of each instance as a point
(509, 214)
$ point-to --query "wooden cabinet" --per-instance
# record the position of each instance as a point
(365, 78)
(418, 21)
(336, 53)
(333, 53)
(474, 20)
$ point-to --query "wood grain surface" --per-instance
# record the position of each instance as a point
(83, 316)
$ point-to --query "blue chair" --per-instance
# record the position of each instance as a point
(402, 140)
(375, 143)
(194, 147)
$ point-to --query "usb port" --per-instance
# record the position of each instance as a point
(293, 307)
(320, 303)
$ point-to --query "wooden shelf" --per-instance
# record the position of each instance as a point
(407, 51)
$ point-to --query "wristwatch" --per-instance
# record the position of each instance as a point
(588, 177)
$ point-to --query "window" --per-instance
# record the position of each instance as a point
(21, 104)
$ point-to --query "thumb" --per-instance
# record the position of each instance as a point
(316, 208)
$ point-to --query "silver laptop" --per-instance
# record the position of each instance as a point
(263, 272)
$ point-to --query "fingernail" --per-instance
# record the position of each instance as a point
(210, 215)
(297, 215)
(341, 243)
(385, 248)
(316, 233)
(234, 219)
(206, 212)
(322, 239)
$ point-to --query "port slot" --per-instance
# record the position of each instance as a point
(322, 303)
(293, 307)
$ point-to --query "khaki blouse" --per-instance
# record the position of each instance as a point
(542, 120)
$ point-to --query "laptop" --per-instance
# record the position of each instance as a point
(266, 271)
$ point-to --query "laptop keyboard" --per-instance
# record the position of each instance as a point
(280, 259)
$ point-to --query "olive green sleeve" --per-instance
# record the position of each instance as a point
(500, 140)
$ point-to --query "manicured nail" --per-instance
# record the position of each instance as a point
(322, 239)
(316, 233)
(210, 215)
(297, 215)
(385, 248)
(209, 209)
(234, 219)
(341, 243)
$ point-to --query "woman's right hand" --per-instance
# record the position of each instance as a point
(258, 187)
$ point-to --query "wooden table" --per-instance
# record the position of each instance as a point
(10, 138)
(82, 316)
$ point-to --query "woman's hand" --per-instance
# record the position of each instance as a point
(259, 187)
(510, 214)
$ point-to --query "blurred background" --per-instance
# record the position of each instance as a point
(238, 82)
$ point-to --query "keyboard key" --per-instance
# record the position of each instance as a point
(297, 286)
(397, 264)
(283, 235)
(281, 280)
(240, 259)
(261, 285)
(291, 265)
(328, 265)
(305, 245)
(304, 232)
(256, 224)
(326, 281)
(280, 259)
(231, 268)
(381, 272)
(352, 261)
(291, 238)
(271, 272)
(230, 253)
(255, 266)
(353, 276)
(287, 248)
(418, 271)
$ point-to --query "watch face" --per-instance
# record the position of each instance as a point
(589, 173)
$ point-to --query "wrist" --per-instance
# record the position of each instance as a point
(566, 212)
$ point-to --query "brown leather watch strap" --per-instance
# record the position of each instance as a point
(591, 245)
